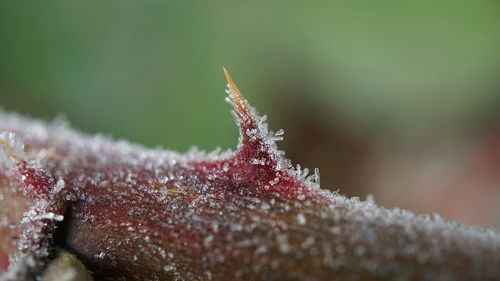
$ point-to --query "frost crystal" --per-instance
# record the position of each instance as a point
(301, 219)
(132, 213)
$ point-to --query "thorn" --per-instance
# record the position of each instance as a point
(239, 101)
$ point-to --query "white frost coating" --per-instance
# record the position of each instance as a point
(269, 138)
(51, 216)
(11, 150)
(33, 244)
(301, 219)
(39, 132)
(158, 162)
(37, 223)
(333, 232)
(60, 184)
(168, 268)
(8, 142)
(284, 247)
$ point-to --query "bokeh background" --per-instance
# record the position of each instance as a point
(395, 99)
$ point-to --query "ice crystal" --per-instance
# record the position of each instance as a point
(132, 213)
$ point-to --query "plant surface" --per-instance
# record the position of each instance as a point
(131, 213)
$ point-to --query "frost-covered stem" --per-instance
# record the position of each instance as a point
(38, 223)
(140, 214)
(331, 238)
(35, 242)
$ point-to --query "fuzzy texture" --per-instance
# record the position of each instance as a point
(131, 213)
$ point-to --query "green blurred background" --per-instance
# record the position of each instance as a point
(391, 98)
